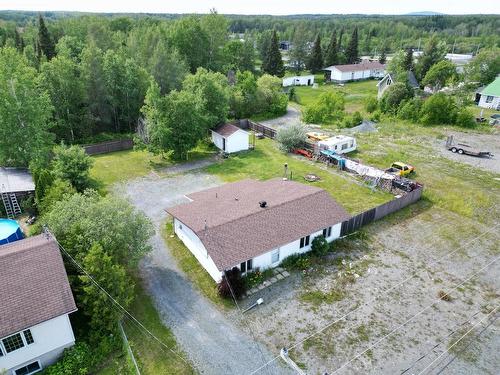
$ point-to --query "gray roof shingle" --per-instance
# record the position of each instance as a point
(233, 227)
(34, 285)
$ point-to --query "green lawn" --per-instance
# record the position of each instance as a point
(354, 93)
(153, 358)
(266, 161)
(125, 165)
(457, 187)
(192, 268)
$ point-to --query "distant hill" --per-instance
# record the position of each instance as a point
(425, 13)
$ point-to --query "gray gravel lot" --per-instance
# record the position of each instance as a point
(214, 342)
(484, 142)
(396, 251)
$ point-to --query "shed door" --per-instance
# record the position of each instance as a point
(223, 144)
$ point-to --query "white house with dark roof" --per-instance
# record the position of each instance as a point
(255, 224)
(230, 138)
(354, 72)
(35, 301)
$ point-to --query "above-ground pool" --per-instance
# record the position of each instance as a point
(10, 231)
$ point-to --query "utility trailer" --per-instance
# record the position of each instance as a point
(463, 148)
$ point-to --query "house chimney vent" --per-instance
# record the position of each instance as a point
(262, 204)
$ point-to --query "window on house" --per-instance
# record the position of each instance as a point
(28, 337)
(246, 266)
(275, 256)
(489, 99)
(327, 232)
(29, 369)
(304, 241)
(344, 146)
(1, 352)
(13, 342)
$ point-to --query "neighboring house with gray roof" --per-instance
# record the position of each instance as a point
(230, 138)
(354, 72)
(253, 224)
(35, 301)
(391, 78)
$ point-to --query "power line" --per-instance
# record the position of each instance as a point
(125, 311)
(458, 326)
(467, 346)
(460, 339)
(376, 297)
(413, 317)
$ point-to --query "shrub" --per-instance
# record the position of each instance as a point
(58, 191)
(297, 262)
(438, 109)
(291, 137)
(319, 246)
(72, 164)
(352, 120)
(328, 108)
(231, 280)
(75, 361)
(376, 115)
(371, 104)
(465, 118)
(393, 96)
(410, 109)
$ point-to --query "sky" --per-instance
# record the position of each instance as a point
(275, 7)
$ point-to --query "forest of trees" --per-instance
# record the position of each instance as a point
(78, 76)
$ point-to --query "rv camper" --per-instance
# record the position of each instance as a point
(340, 144)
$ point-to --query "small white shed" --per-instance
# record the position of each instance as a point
(229, 138)
(298, 81)
(340, 144)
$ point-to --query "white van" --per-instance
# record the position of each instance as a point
(340, 144)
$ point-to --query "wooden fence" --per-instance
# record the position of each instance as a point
(356, 222)
(111, 146)
(256, 127)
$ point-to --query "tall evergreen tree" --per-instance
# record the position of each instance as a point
(273, 64)
(19, 41)
(331, 57)
(339, 44)
(434, 51)
(383, 55)
(316, 57)
(351, 52)
(46, 43)
(409, 59)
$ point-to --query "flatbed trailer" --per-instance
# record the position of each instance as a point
(463, 148)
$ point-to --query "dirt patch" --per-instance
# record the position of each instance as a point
(436, 252)
(484, 142)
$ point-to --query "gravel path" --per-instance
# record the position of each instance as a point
(292, 116)
(214, 343)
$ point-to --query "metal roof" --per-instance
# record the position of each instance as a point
(15, 180)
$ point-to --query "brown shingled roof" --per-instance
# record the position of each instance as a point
(367, 65)
(226, 129)
(233, 227)
(34, 286)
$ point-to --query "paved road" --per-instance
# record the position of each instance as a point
(211, 340)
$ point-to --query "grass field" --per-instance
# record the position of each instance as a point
(192, 268)
(125, 165)
(266, 161)
(354, 93)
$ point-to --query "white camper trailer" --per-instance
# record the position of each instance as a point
(298, 81)
(340, 144)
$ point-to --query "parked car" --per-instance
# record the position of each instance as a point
(400, 169)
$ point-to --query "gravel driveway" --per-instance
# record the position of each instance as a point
(212, 341)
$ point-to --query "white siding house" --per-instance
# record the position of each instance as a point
(40, 346)
(229, 138)
(354, 72)
(298, 81)
(35, 301)
(255, 224)
(489, 97)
